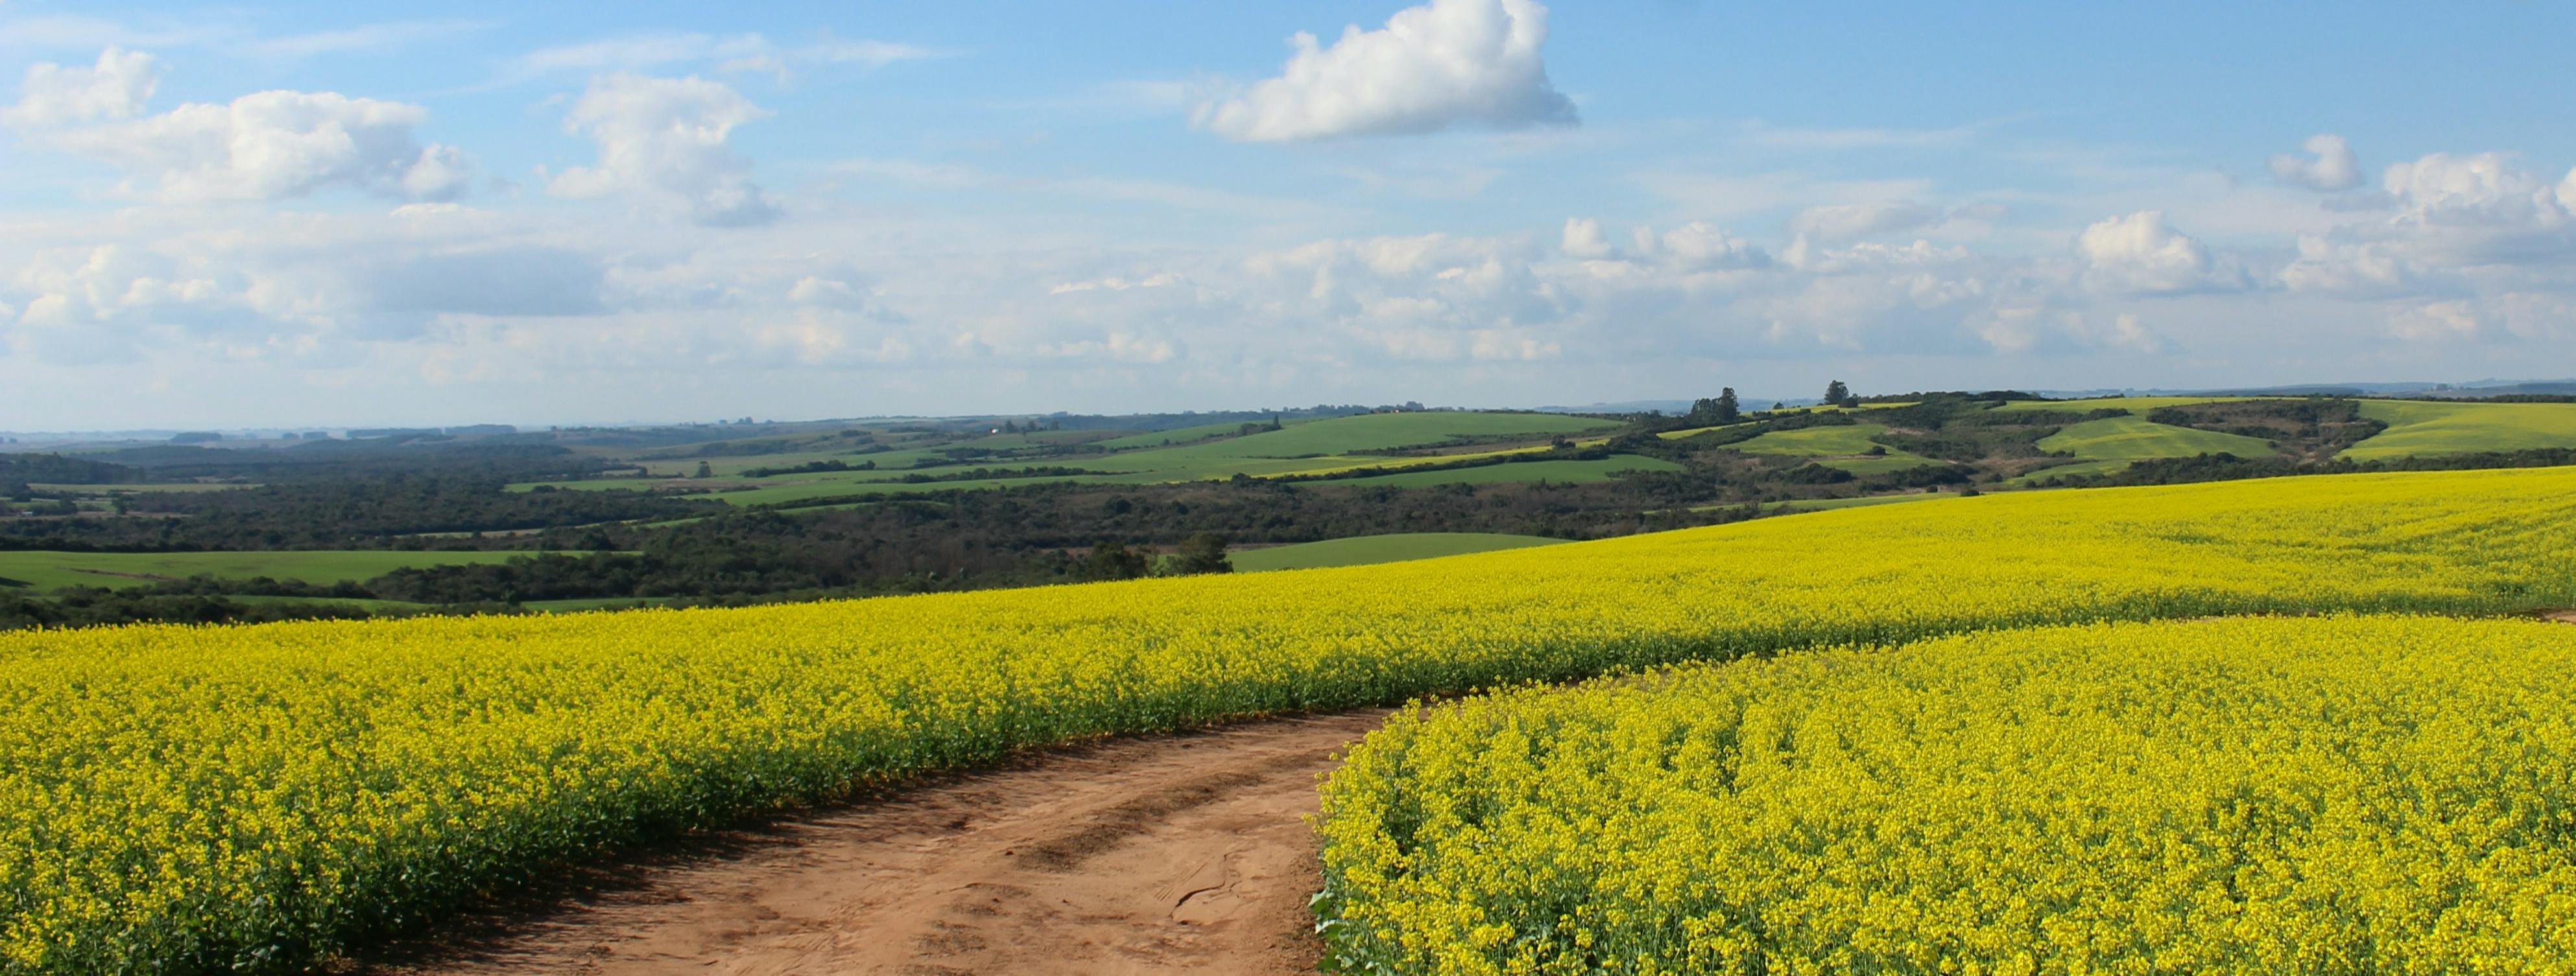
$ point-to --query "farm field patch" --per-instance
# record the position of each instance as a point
(113, 489)
(1385, 431)
(1374, 549)
(2134, 438)
(2418, 427)
(2139, 405)
(116, 570)
(1845, 446)
(2344, 794)
(391, 767)
(1558, 472)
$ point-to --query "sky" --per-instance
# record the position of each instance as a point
(299, 214)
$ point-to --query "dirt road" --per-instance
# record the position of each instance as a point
(1174, 854)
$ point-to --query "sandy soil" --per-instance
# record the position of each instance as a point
(2564, 616)
(1173, 854)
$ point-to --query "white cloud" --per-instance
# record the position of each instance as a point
(738, 52)
(365, 37)
(2480, 190)
(2141, 254)
(1700, 247)
(2360, 270)
(2335, 167)
(1432, 67)
(1583, 239)
(1852, 221)
(114, 88)
(277, 144)
(666, 138)
(2514, 316)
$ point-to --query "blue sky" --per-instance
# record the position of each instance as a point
(289, 214)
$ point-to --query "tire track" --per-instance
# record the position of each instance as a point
(1174, 854)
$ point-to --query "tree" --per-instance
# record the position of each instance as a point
(1720, 409)
(1201, 553)
(704, 471)
(1837, 394)
(1113, 561)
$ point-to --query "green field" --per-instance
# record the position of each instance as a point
(2135, 404)
(1557, 472)
(186, 486)
(1831, 504)
(1184, 435)
(1372, 549)
(2136, 438)
(1384, 431)
(2419, 427)
(1845, 446)
(1305, 447)
(2077, 469)
(117, 570)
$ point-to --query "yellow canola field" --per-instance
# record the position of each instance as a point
(2261, 795)
(177, 798)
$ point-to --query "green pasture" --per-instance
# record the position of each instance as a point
(1184, 435)
(1558, 472)
(2442, 427)
(1830, 504)
(1845, 446)
(2134, 404)
(2077, 469)
(185, 486)
(118, 570)
(2134, 438)
(1372, 549)
(1383, 431)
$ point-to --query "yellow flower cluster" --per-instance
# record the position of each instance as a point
(178, 798)
(2260, 795)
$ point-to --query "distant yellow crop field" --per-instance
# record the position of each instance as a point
(176, 798)
(2262, 795)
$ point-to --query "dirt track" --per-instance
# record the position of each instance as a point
(1176, 854)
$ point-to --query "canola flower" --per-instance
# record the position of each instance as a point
(179, 799)
(2262, 795)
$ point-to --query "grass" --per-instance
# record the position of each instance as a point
(1370, 550)
(2079, 468)
(2417, 427)
(118, 570)
(2137, 438)
(1184, 435)
(1558, 472)
(1845, 446)
(2134, 404)
(188, 486)
(596, 603)
(1830, 504)
(1383, 431)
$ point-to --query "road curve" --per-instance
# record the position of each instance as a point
(1170, 854)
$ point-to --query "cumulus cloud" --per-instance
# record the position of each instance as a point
(1852, 221)
(2335, 168)
(1583, 239)
(666, 138)
(114, 88)
(2481, 190)
(277, 144)
(1443, 64)
(2142, 254)
(1700, 247)
(2523, 316)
